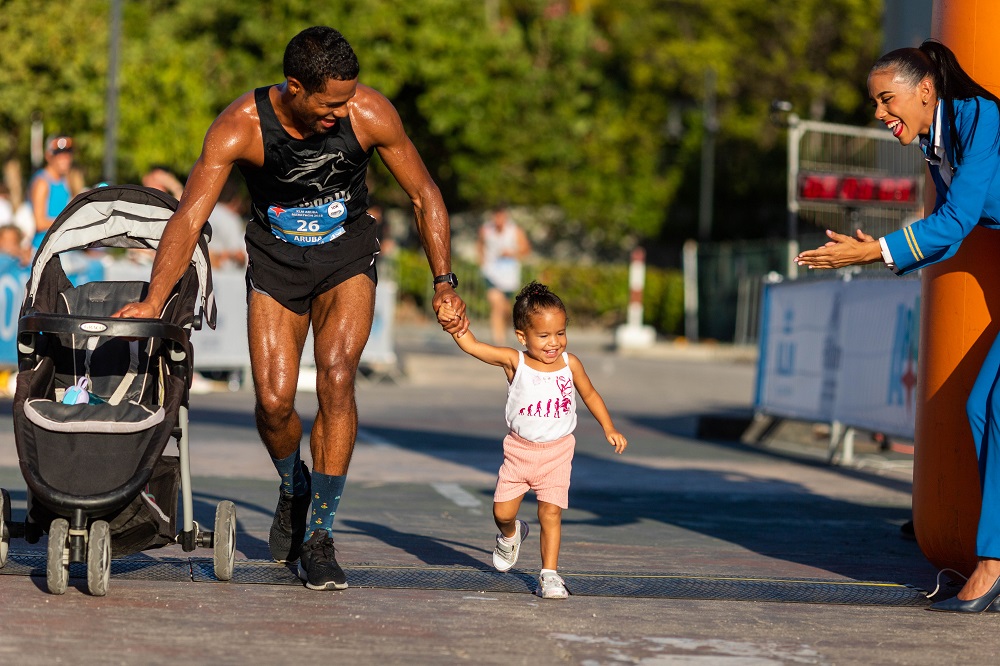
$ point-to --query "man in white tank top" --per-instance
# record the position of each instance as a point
(502, 246)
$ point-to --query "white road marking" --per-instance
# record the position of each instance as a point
(380, 460)
(678, 651)
(458, 495)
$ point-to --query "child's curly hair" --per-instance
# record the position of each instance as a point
(533, 298)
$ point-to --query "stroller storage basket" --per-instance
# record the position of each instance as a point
(94, 457)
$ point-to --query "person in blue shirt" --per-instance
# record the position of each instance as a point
(49, 190)
(923, 94)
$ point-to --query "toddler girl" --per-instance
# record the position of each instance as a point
(543, 381)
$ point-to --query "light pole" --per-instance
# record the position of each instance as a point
(711, 127)
(795, 129)
(111, 101)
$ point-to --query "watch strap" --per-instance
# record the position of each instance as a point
(450, 278)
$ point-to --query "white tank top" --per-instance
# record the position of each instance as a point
(503, 272)
(541, 406)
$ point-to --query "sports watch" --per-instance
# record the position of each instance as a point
(450, 278)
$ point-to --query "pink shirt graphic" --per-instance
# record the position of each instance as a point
(541, 406)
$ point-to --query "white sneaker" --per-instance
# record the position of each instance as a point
(505, 555)
(551, 586)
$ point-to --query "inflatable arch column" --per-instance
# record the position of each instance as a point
(960, 317)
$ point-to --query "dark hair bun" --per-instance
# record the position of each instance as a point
(533, 288)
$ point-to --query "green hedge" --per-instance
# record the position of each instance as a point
(594, 295)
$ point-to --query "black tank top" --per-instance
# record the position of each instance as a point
(303, 172)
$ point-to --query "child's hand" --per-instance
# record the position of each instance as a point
(449, 313)
(617, 440)
(465, 319)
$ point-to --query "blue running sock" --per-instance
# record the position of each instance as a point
(326, 492)
(293, 481)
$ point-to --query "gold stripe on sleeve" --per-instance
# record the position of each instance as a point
(911, 240)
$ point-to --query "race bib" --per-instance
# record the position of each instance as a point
(313, 225)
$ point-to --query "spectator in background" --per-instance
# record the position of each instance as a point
(12, 248)
(49, 190)
(76, 181)
(229, 226)
(386, 243)
(6, 206)
(19, 218)
(13, 257)
(502, 245)
(162, 179)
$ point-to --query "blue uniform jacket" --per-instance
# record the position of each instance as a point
(972, 198)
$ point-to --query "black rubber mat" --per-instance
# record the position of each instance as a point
(813, 591)
(594, 583)
(133, 568)
(600, 584)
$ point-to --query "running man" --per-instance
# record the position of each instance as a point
(303, 147)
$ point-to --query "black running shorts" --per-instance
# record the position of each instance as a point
(294, 275)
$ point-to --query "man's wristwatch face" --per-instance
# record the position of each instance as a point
(450, 278)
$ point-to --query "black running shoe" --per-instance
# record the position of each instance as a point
(288, 529)
(318, 565)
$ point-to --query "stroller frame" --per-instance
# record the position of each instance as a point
(124, 216)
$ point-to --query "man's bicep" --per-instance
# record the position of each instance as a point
(406, 166)
(222, 147)
(226, 142)
(385, 129)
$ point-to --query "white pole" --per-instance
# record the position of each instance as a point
(795, 131)
(633, 335)
(111, 96)
(37, 143)
(690, 263)
(636, 285)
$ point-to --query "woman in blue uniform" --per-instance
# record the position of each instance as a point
(923, 95)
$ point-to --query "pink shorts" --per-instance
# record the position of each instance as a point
(543, 467)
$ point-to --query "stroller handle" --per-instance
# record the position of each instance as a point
(101, 326)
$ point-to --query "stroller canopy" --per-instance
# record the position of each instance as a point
(123, 216)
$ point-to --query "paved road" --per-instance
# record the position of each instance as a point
(682, 506)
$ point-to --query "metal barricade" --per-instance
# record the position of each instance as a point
(844, 178)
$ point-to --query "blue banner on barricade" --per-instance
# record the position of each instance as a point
(380, 350)
(843, 351)
(224, 348)
(13, 278)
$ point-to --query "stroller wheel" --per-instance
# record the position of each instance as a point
(224, 545)
(99, 558)
(57, 565)
(4, 526)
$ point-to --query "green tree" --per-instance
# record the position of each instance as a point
(814, 53)
(52, 68)
(590, 105)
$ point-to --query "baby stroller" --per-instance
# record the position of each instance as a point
(97, 479)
